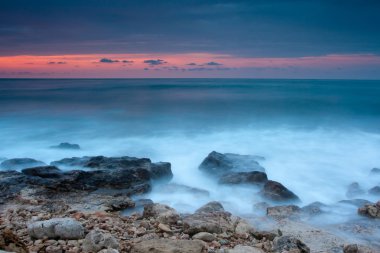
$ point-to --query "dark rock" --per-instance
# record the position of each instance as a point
(351, 248)
(354, 190)
(370, 210)
(276, 192)
(259, 235)
(374, 191)
(157, 171)
(43, 171)
(252, 178)
(66, 145)
(313, 209)
(289, 244)
(213, 206)
(179, 188)
(355, 202)
(20, 163)
(218, 164)
(280, 212)
(375, 171)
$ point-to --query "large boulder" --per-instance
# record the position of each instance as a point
(66, 145)
(249, 178)
(210, 218)
(217, 164)
(276, 192)
(56, 228)
(97, 240)
(370, 210)
(20, 163)
(169, 246)
(43, 171)
(162, 213)
(289, 244)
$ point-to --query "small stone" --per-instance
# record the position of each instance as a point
(164, 228)
(97, 240)
(54, 249)
(351, 248)
(204, 236)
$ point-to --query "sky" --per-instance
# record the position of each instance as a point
(182, 38)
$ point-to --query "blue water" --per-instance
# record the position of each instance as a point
(317, 135)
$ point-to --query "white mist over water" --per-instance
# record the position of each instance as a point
(317, 164)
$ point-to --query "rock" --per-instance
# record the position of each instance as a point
(213, 206)
(243, 249)
(179, 188)
(20, 163)
(162, 213)
(374, 191)
(370, 210)
(66, 145)
(43, 171)
(211, 222)
(351, 248)
(108, 251)
(354, 190)
(53, 249)
(169, 246)
(97, 240)
(260, 235)
(164, 228)
(313, 209)
(204, 236)
(250, 178)
(281, 212)
(243, 228)
(289, 243)
(57, 228)
(217, 164)
(375, 171)
(118, 203)
(276, 192)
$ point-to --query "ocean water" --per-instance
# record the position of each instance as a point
(317, 136)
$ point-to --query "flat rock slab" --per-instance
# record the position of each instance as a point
(57, 228)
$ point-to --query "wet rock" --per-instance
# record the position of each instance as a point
(66, 145)
(204, 236)
(289, 243)
(351, 248)
(375, 171)
(354, 190)
(250, 178)
(162, 213)
(179, 188)
(20, 163)
(43, 171)
(169, 246)
(370, 210)
(374, 191)
(218, 164)
(211, 222)
(97, 240)
(57, 228)
(280, 212)
(213, 206)
(276, 192)
(313, 209)
(243, 228)
(242, 249)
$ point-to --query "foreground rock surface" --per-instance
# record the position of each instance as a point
(58, 228)
(169, 246)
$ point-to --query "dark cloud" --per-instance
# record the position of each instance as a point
(252, 28)
(212, 63)
(106, 60)
(155, 62)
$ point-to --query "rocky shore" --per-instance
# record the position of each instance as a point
(79, 205)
